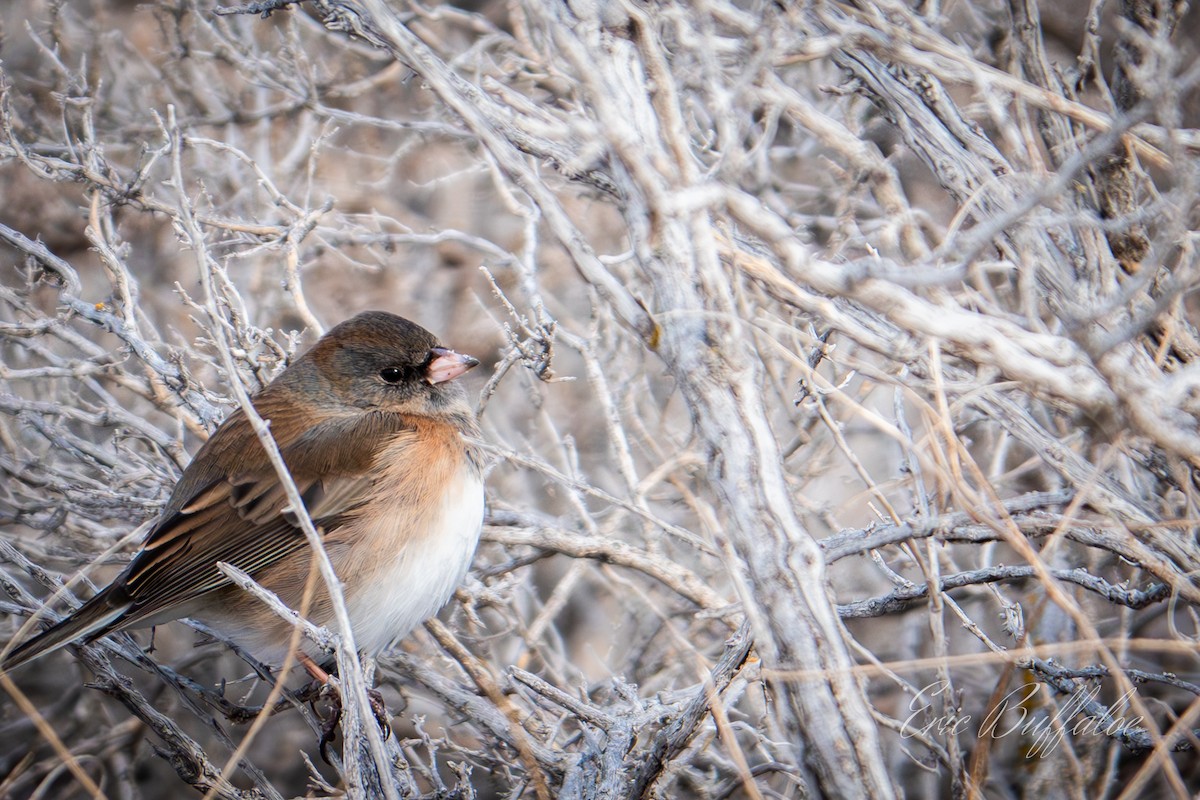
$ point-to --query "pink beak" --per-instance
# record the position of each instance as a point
(447, 365)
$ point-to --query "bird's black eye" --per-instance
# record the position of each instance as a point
(391, 374)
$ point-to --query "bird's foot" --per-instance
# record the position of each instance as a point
(323, 688)
(329, 724)
(379, 709)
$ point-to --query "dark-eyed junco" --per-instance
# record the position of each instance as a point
(376, 435)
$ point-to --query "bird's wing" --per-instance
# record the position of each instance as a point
(229, 506)
(245, 519)
(180, 563)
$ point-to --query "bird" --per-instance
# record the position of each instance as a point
(382, 444)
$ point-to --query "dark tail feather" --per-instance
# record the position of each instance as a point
(94, 618)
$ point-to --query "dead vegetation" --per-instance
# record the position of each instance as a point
(841, 366)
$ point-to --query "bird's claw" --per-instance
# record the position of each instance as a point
(379, 709)
(330, 723)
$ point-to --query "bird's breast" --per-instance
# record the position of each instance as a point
(411, 546)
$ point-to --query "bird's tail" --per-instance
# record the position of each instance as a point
(94, 618)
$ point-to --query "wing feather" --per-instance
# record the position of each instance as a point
(244, 518)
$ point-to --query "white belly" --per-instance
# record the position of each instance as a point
(419, 581)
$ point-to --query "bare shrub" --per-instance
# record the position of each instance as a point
(842, 394)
